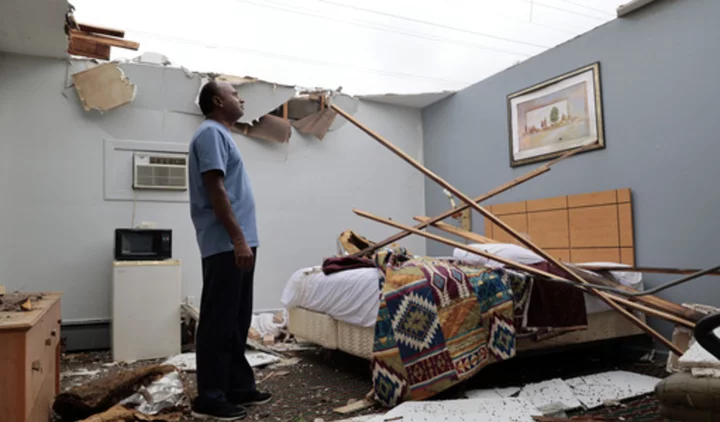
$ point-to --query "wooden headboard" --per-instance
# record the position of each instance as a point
(591, 227)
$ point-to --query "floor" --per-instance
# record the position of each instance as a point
(322, 380)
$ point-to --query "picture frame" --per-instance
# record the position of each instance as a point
(550, 118)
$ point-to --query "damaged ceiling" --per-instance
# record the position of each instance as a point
(34, 27)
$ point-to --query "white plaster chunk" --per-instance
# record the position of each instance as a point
(186, 361)
(550, 396)
(152, 58)
(492, 393)
(486, 410)
(594, 390)
(103, 87)
(697, 357)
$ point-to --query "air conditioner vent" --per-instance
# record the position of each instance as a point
(160, 171)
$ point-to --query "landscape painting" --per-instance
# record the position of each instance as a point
(555, 116)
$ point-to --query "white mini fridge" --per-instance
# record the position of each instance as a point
(146, 299)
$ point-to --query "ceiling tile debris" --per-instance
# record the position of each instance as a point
(103, 87)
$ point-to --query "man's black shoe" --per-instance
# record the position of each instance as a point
(222, 412)
(253, 399)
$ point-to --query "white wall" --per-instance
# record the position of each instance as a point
(56, 230)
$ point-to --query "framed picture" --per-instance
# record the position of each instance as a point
(550, 118)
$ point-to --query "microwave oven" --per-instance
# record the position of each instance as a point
(143, 244)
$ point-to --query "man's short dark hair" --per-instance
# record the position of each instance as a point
(208, 91)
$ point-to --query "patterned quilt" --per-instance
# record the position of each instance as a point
(440, 323)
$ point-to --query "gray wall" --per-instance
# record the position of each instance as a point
(56, 230)
(659, 76)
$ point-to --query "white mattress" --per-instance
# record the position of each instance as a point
(351, 296)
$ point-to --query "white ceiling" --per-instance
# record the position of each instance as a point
(33, 27)
(408, 100)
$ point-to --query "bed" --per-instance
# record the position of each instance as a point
(338, 311)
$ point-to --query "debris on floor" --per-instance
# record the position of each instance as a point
(187, 362)
(595, 390)
(556, 395)
(100, 395)
(486, 410)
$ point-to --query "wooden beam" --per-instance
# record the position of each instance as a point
(649, 300)
(649, 270)
(688, 315)
(101, 30)
(529, 244)
(103, 40)
(85, 48)
(457, 231)
(449, 213)
(532, 270)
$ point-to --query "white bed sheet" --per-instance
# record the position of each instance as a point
(351, 296)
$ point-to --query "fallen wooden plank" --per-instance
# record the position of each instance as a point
(354, 407)
(512, 264)
(649, 270)
(103, 40)
(449, 213)
(685, 316)
(473, 237)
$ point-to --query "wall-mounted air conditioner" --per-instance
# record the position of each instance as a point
(160, 171)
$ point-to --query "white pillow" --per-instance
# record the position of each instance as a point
(504, 250)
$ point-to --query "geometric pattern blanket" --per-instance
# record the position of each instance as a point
(438, 324)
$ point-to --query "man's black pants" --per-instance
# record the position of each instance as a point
(225, 317)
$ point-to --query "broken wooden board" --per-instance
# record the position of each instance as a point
(104, 87)
(2, 290)
(354, 407)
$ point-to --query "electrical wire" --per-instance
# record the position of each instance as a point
(437, 25)
(644, 292)
(299, 59)
(372, 25)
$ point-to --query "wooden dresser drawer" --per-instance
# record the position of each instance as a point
(30, 361)
(41, 346)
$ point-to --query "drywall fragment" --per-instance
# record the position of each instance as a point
(152, 58)
(697, 357)
(550, 396)
(186, 361)
(104, 87)
(268, 128)
(316, 124)
(485, 410)
(594, 390)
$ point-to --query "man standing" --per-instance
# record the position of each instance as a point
(222, 209)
